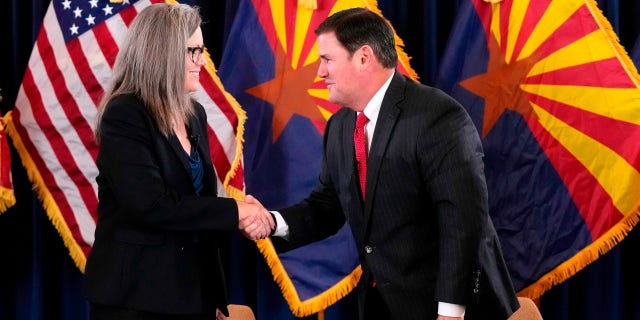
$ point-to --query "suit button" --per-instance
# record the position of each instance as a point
(368, 249)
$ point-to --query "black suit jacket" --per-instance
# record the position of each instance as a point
(155, 249)
(424, 233)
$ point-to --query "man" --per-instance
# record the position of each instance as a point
(414, 193)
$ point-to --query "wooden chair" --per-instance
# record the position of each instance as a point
(240, 312)
(528, 310)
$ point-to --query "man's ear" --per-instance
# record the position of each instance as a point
(365, 56)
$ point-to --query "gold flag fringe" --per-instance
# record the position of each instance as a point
(312, 305)
(41, 190)
(617, 233)
(7, 196)
(7, 199)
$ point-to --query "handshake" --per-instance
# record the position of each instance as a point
(255, 222)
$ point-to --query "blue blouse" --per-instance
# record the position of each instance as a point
(195, 164)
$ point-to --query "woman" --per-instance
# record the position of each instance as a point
(155, 254)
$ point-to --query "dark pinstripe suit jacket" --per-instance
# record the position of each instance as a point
(424, 232)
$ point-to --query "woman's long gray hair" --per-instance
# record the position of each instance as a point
(151, 63)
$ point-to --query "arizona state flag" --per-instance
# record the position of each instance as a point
(556, 100)
(269, 65)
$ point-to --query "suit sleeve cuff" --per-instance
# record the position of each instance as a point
(282, 229)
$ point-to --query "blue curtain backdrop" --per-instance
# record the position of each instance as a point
(38, 279)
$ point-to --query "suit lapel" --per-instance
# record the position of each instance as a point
(387, 119)
(178, 150)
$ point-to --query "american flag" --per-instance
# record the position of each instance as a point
(51, 124)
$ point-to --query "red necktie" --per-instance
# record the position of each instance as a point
(360, 142)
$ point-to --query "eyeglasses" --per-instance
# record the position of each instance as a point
(196, 53)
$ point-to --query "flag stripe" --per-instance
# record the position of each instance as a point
(219, 159)
(72, 110)
(59, 143)
(614, 137)
(289, 30)
(516, 17)
(127, 15)
(528, 24)
(617, 172)
(97, 66)
(566, 34)
(62, 80)
(572, 54)
(222, 119)
(88, 79)
(106, 42)
(117, 29)
(554, 16)
(51, 194)
(217, 97)
(65, 168)
(503, 25)
(304, 39)
(265, 17)
(595, 205)
(608, 102)
(607, 69)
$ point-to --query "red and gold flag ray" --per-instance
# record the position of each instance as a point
(559, 65)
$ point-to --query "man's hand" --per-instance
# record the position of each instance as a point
(255, 221)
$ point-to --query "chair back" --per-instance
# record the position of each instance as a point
(528, 310)
(240, 312)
